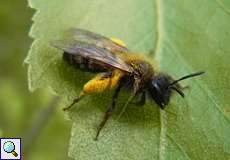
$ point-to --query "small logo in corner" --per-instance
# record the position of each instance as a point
(10, 148)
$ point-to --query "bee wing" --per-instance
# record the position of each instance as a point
(96, 39)
(99, 55)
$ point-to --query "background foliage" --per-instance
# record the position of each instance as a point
(20, 110)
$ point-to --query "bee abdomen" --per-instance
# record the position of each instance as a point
(82, 63)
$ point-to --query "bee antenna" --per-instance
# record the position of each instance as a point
(187, 76)
(177, 90)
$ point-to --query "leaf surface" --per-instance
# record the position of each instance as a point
(186, 36)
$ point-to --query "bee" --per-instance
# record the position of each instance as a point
(116, 67)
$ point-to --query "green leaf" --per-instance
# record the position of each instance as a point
(187, 36)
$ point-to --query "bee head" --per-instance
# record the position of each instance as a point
(162, 85)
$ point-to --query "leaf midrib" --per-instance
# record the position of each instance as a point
(159, 40)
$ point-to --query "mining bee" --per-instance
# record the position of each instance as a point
(117, 67)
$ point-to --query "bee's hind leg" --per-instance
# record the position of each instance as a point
(109, 110)
(98, 84)
(75, 100)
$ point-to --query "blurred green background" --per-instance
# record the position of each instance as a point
(35, 117)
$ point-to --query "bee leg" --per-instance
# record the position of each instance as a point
(109, 110)
(141, 101)
(77, 99)
(98, 84)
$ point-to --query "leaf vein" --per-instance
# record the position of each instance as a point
(179, 147)
(159, 39)
(220, 3)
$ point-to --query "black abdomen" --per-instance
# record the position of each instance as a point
(82, 63)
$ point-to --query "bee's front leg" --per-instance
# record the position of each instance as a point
(141, 100)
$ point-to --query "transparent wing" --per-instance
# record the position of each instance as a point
(96, 39)
(92, 52)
